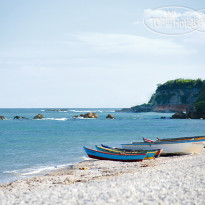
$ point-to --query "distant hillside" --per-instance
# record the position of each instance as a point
(174, 95)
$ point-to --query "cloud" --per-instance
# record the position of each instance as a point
(112, 43)
(137, 22)
(195, 39)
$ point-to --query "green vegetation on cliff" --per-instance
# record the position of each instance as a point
(180, 84)
(152, 97)
(200, 103)
(201, 96)
(200, 106)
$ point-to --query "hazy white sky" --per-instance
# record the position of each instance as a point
(90, 53)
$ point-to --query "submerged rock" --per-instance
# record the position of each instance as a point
(162, 117)
(17, 117)
(2, 118)
(109, 116)
(179, 115)
(38, 117)
(89, 115)
(75, 117)
(25, 118)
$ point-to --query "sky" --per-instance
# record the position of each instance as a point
(90, 53)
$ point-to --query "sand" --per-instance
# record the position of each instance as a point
(166, 180)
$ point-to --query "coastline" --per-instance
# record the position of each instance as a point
(166, 180)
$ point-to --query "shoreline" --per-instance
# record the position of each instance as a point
(175, 179)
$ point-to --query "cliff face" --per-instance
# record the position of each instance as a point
(175, 99)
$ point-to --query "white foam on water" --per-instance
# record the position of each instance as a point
(85, 158)
(82, 118)
(85, 110)
(11, 172)
(52, 118)
(42, 110)
(99, 111)
(79, 110)
(35, 170)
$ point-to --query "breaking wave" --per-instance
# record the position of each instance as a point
(36, 170)
(52, 118)
(85, 110)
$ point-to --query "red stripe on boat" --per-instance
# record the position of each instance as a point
(102, 158)
(148, 140)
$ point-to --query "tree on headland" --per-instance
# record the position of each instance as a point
(181, 84)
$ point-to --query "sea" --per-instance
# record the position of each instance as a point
(31, 147)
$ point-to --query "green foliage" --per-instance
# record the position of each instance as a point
(150, 101)
(200, 106)
(184, 99)
(145, 105)
(202, 94)
(181, 84)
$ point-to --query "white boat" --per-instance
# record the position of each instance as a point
(169, 147)
(195, 138)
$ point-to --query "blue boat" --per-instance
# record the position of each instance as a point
(150, 154)
(115, 157)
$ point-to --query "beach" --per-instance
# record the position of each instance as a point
(165, 180)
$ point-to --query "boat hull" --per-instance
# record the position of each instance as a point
(150, 154)
(202, 138)
(196, 138)
(177, 147)
(114, 157)
(158, 151)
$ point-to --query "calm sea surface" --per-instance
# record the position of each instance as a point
(32, 147)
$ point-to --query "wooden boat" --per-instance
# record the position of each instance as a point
(169, 147)
(115, 157)
(150, 153)
(183, 138)
(159, 151)
(200, 138)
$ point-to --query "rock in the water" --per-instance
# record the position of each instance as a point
(193, 114)
(110, 116)
(75, 116)
(162, 117)
(25, 118)
(38, 117)
(2, 118)
(179, 115)
(17, 117)
(89, 115)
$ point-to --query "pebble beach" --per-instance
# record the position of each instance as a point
(165, 180)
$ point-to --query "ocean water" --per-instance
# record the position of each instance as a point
(32, 147)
